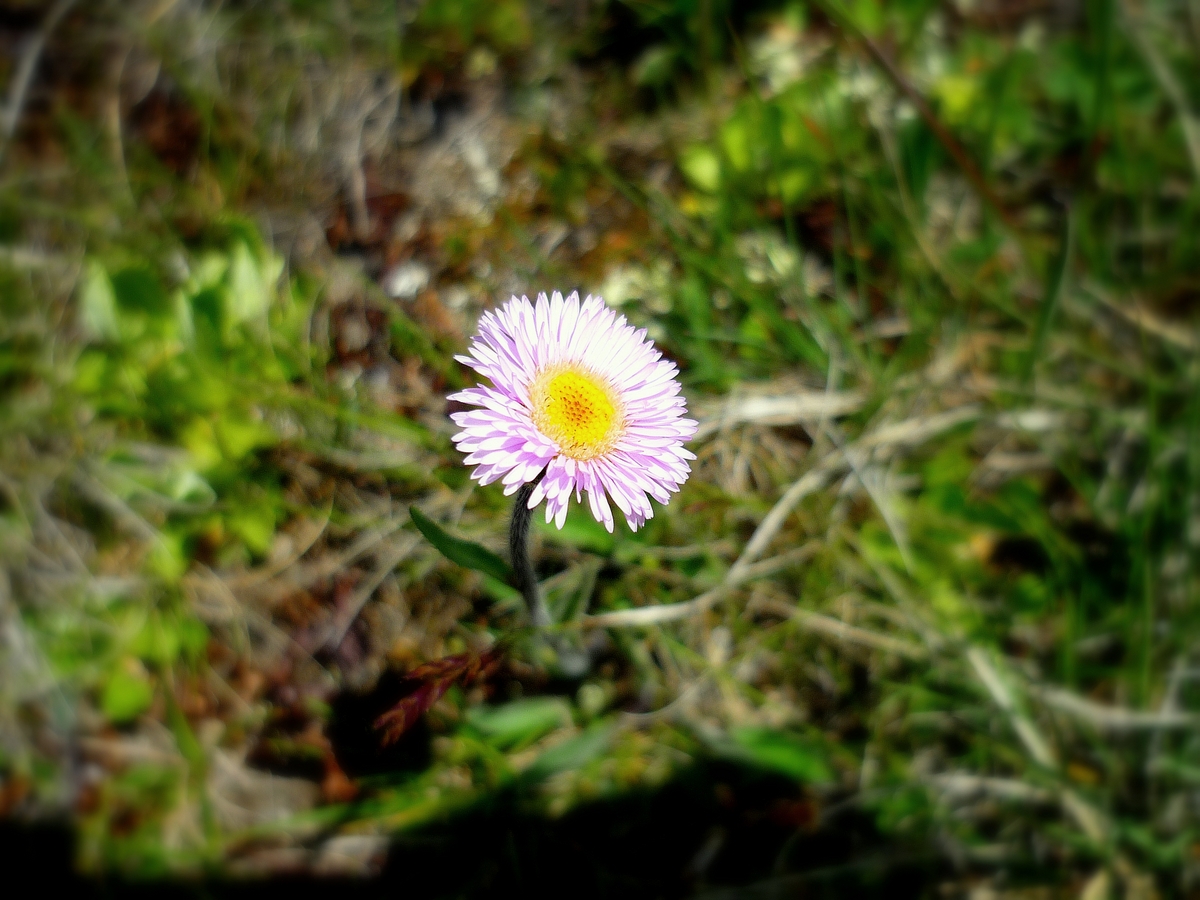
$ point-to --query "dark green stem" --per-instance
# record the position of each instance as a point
(518, 546)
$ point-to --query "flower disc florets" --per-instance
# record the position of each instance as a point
(581, 394)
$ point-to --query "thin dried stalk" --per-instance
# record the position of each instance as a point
(673, 612)
(907, 433)
(793, 409)
(839, 630)
(391, 557)
(18, 88)
(1115, 718)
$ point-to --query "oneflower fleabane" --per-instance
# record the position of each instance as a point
(579, 394)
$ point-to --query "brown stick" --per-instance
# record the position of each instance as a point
(956, 150)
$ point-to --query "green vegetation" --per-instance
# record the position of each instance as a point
(929, 272)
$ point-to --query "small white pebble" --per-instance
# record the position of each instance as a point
(406, 280)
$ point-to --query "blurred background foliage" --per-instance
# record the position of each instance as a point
(923, 620)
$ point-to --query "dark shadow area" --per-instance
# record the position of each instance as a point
(716, 830)
(356, 742)
(41, 857)
(714, 827)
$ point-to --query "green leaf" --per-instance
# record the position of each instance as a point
(193, 637)
(157, 641)
(186, 486)
(239, 435)
(252, 281)
(126, 696)
(508, 25)
(575, 753)
(255, 525)
(521, 722)
(655, 66)
(98, 304)
(779, 751)
(501, 592)
(464, 553)
(702, 167)
(137, 289)
(168, 557)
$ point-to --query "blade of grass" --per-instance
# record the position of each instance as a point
(1055, 285)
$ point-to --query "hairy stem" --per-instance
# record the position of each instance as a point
(522, 564)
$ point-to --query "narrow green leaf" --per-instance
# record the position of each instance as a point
(520, 722)
(574, 753)
(1055, 286)
(465, 553)
(501, 592)
(786, 753)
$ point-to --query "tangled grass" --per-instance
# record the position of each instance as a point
(926, 609)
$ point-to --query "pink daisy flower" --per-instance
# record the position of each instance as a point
(580, 394)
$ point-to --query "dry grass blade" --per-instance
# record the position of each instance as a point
(1114, 718)
(1146, 320)
(841, 631)
(918, 430)
(809, 483)
(658, 615)
(673, 612)
(18, 88)
(389, 559)
(270, 585)
(122, 512)
(1035, 745)
(1090, 820)
(965, 786)
(900, 434)
(794, 409)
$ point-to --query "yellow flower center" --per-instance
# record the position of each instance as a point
(579, 411)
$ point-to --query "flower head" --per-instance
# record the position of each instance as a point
(581, 394)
